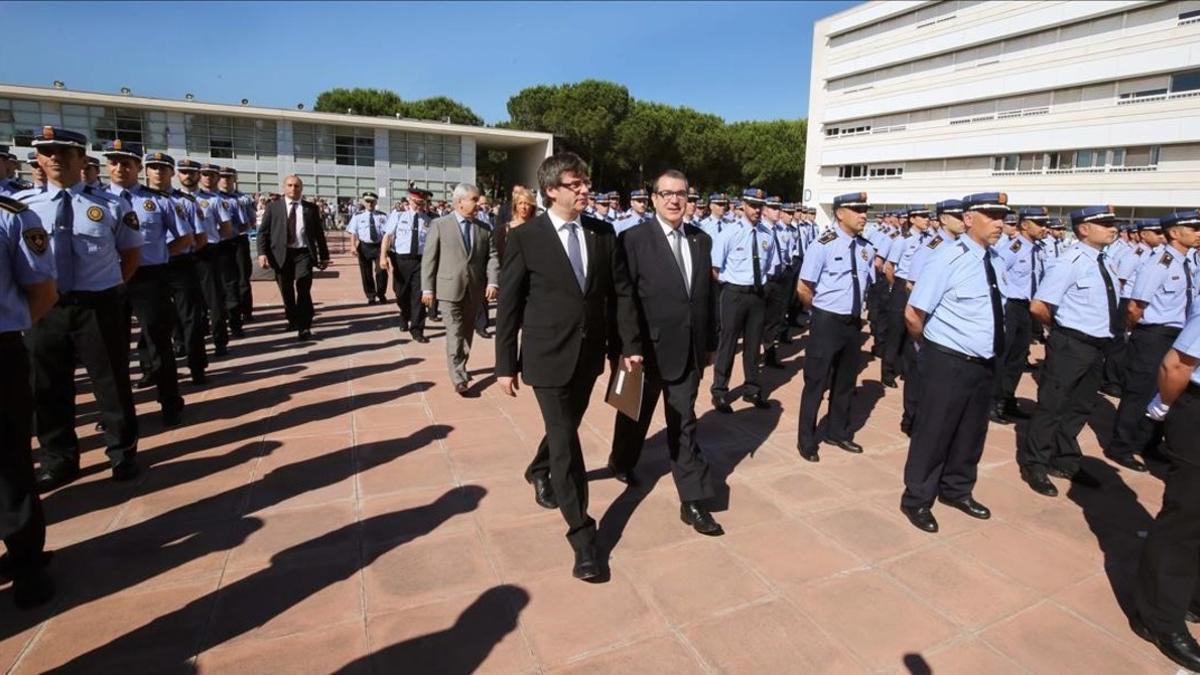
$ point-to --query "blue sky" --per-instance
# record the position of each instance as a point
(739, 60)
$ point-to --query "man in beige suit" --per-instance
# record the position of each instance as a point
(459, 261)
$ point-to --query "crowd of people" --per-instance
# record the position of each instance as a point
(952, 297)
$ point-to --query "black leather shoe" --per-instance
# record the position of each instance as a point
(587, 564)
(304, 335)
(237, 332)
(291, 326)
(6, 570)
(906, 428)
(700, 519)
(1080, 477)
(220, 350)
(921, 518)
(969, 506)
(771, 359)
(626, 477)
(1180, 647)
(889, 382)
(848, 446)
(757, 401)
(1037, 480)
(199, 378)
(809, 455)
(720, 404)
(172, 417)
(483, 333)
(371, 301)
(419, 337)
(404, 326)
(56, 476)
(144, 382)
(1130, 463)
(127, 470)
(32, 589)
(996, 414)
(1013, 412)
(543, 492)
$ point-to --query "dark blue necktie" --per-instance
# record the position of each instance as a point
(64, 231)
(466, 235)
(856, 301)
(575, 255)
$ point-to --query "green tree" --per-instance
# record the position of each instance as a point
(770, 155)
(385, 103)
(440, 108)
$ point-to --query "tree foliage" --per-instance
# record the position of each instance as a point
(385, 103)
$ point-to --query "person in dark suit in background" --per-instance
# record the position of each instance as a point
(559, 291)
(290, 238)
(668, 266)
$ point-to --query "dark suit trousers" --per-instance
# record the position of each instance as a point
(1117, 354)
(1134, 432)
(295, 279)
(150, 297)
(897, 334)
(208, 268)
(951, 427)
(560, 455)
(878, 295)
(189, 309)
(830, 362)
(245, 265)
(374, 278)
(1169, 575)
(230, 281)
(22, 525)
(1018, 333)
(406, 286)
(1066, 394)
(688, 468)
(743, 314)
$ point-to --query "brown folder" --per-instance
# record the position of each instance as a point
(625, 390)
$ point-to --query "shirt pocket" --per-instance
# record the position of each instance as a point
(95, 236)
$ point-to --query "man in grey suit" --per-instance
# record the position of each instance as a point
(459, 261)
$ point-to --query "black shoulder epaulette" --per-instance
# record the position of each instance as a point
(963, 247)
(893, 234)
(12, 205)
(1166, 259)
(1139, 251)
(935, 242)
(1016, 246)
(181, 193)
(827, 237)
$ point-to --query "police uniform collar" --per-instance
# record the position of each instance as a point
(973, 247)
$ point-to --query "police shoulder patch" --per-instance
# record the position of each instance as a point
(1166, 259)
(1139, 251)
(935, 242)
(827, 237)
(12, 205)
(36, 240)
(1016, 246)
(131, 221)
(179, 211)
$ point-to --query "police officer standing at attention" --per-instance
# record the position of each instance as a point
(247, 215)
(366, 233)
(97, 243)
(1159, 304)
(182, 278)
(781, 287)
(956, 314)
(1168, 578)
(1023, 265)
(210, 214)
(638, 201)
(718, 203)
(228, 223)
(743, 257)
(897, 354)
(404, 242)
(27, 292)
(835, 273)
(1078, 298)
(149, 289)
(10, 183)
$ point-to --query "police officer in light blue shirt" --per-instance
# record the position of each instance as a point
(27, 292)
(950, 226)
(639, 200)
(404, 241)
(957, 307)
(718, 203)
(782, 285)
(897, 353)
(228, 221)
(210, 213)
(1078, 297)
(183, 279)
(96, 241)
(835, 274)
(10, 182)
(366, 231)
(1023, 266)
(743, 257)
(246, 221)
(1160, 302)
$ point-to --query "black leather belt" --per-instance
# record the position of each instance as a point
(957, 354)
(1097, 342)
(1019, 301)
(88, 297)
(1159, 329)
(10, 336)
(408, 256)
(739, 288)
(848, 319)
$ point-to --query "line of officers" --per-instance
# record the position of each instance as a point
(81, 258)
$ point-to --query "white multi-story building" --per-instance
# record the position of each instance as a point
(1057, 103)
(338, 156)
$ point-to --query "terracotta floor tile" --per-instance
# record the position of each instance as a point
(790, 553)
(662, 654)
(1010, 551)
(332, 526)
(968, 656)
(530, 546)
(1036, 637)
(671, 577)
(333, 648)
(406, 573)
(870, 533)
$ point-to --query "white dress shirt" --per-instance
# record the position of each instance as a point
(563, 228)
(683, 243)
(301, 237)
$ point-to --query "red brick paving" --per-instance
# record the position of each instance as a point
(335, 506)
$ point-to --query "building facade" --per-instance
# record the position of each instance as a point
(338, 156)
(1059, 103)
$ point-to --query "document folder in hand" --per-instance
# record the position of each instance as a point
(625, 390)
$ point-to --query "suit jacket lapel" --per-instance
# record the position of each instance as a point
(546, 226)
(589, 240)
(665, 253)
(694, 246)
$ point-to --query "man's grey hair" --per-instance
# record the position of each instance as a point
(463, 191)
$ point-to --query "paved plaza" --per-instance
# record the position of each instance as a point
(335, 506)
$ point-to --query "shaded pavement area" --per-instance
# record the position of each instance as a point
(334, 506)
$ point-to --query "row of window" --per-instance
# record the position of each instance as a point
(1087, 158)
(228, 137)
(985, 54)
(848, 171)
(1132, 158)
(927, 15)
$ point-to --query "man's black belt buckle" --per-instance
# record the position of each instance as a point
(957, 354)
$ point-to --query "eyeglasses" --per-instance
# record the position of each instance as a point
(576, 185)
(667, 194)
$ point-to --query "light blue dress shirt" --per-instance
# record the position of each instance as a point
(920, 260)
(211, 212)
(361, 228)
(21, 265)
(156, 216)
(955, 295)
(1188, 343)
(1023, 261)
(629, 221)
(400, 225)
(1076, 288)
(1163, 285)
(828, 267)
(733, 253)
(901, 257)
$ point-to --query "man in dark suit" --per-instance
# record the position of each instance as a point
(559, 290)
(668, 266)
(290, 238)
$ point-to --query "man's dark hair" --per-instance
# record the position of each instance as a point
(670, 173)
(553, 167)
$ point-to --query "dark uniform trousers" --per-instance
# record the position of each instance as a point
(295, 279)
(184, 284)
(878, 295)
(560, 455)
(1066, 395)
(830, 363)
(22, 525)
(245, 266)
(743, 314)
(150, 296)
(89, 326)
(212, 289)
(374, 277)
(779, 291)
(1134, 432)
(688, 468)
(1118, 351)
(1018, 333)
(950, 428)
(406, 286)
(909, 361)
(897, 334)
(794, 307)
(1169, 572)
(230, 284)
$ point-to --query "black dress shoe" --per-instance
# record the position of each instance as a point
(543, 492)
(757, 401)
(419, 337)
(32, 589)
(6, 569)
(996, 414)
(198, 378)
(622, 476)
(172, 417)
(1037, 480)
(48, 479)
(889, 382)
(220, 350)
(304, 335)
(1180, 647)
(1013, 412)
(144, 382)
(809, 455)
(720, 404)
(587, 564)
(371, 301)
(404, 326)
(1080, 477)
(700, 519)
(1130, 463)
(100, 428)
(126, 470)
(483, 333)
(291, 326)
(969, 506)
(848, 446)
(771, 359)
(921, 518)
(237, 332)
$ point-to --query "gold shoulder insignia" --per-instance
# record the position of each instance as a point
(12, 205)
(36, 239)
(149, 205)
(1016, 246)
(1166, 259)
(935, 242)
(827, 237)
(131, 221)
(95, 214)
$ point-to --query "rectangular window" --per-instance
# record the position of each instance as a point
(1084, 159)
(1187, 81)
